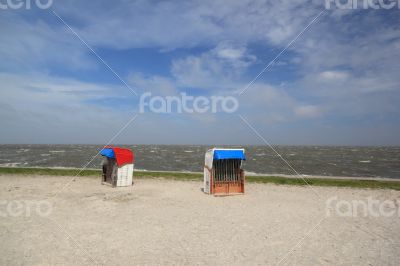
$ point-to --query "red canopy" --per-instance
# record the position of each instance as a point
(123, 156)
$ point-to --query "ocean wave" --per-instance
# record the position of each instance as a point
(23, 150)
(9, 164)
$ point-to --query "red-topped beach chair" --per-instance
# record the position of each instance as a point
(118, 166)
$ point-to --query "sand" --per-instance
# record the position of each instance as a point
(173, 222)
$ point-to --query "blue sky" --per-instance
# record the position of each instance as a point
(337, 84)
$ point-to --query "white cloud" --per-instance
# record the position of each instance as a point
(201, 72)
(37, 98)
(219, 68)
(308, 111)
(158, 85)
(230, 53)
(34, 44)
(177, 24)
(335, 76)
(270, 104)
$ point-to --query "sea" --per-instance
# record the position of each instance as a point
(346, 161)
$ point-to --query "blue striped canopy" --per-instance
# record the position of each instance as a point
(229, 154)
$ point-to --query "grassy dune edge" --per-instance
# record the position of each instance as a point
(375, 184)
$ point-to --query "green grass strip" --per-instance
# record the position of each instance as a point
(326, 182)
(278, 180)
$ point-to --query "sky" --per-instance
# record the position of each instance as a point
(301, 74)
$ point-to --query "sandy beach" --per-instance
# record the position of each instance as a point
(173, 222)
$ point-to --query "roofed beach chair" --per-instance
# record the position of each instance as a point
(117, 167)
(223, 173)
